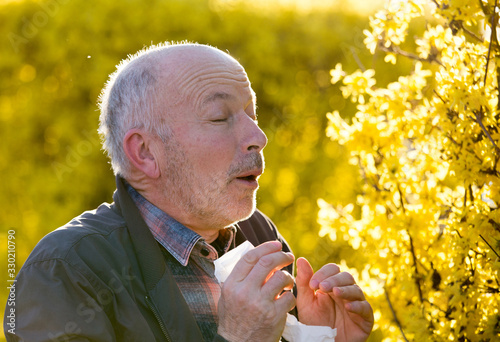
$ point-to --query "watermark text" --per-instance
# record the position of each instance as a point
(11, 282)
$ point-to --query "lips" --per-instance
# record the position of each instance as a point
(249, 178)
(250, 175)
(246, 172)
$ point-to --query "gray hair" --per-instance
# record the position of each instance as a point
(128, 101)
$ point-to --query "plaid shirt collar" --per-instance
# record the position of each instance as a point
(176, 238)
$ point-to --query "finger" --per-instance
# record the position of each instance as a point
(351, 292)
(304, 274)
(322, 274)
(245, 265)
(338, 280)
(362, 308)
(285, 302)
(267, 265)
(280, 280)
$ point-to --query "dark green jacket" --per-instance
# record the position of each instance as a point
(102, 277)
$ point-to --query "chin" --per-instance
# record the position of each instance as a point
(241, 212)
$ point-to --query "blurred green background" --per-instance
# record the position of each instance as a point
(55, 56)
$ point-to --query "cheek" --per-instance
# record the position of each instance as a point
(214, 155)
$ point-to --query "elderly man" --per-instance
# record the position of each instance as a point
(179, 125)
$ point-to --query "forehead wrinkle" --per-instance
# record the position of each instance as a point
(187, 77)
(211, 77)
(199, 90)
(190, 73)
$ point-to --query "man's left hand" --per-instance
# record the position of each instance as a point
(332, 298)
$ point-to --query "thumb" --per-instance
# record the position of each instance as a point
(304, 275)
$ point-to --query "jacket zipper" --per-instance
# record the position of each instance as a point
(157, 315)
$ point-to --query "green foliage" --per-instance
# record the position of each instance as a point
(56, 55)
(425, 227)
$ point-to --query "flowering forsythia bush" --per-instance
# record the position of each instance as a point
(426, 225)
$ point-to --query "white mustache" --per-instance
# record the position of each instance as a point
(253, 162)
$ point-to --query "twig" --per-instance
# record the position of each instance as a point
(435, 2)
(401, 199)
(439, 96)
(356, 58)
(498, 89)
(472, 34)
(453, 140)
(479, 120)
(398, 51)
(394, 314)
(488, 58)
(484, 7)
(489, 245)
(465, 198)
(457, 25)
(417, 275)
(492, 37)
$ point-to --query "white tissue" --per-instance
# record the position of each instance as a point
(298, 332)
(225, 264)
(294, 330)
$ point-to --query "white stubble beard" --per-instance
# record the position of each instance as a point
(210, 200)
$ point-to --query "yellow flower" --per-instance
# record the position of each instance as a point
(358, 83)
(337, 73)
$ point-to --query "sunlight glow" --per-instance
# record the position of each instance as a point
(362, 7)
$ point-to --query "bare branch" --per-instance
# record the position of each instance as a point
(401, 199)
(356, 58)
(489, 245)
(485, 8)
(458, 24)
(439, 96)
(394, 314)
(498, 89)
(479, 119)
(398, 51)
(488, 58)
(417, 274)
(452, 140)
(471, 194)
(493, 37)
(472, 34)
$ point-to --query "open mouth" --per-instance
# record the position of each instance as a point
(248, 178)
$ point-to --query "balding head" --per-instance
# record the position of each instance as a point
(154, 79)
(180, 126)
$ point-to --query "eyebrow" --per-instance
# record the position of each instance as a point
(217, 96)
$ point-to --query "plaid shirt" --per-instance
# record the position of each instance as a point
(190, 259)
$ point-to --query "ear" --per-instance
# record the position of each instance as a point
(138, 147)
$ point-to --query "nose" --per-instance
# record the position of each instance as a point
(254, 139)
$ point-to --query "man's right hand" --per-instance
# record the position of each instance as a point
(251, 307)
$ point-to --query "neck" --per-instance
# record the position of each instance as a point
(210, 237)
(198, 225)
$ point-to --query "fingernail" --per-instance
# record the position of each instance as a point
(314, 284)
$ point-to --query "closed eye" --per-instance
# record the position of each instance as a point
(219, 120)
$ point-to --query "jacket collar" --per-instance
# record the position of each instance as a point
(148, 253)
(171, 309)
